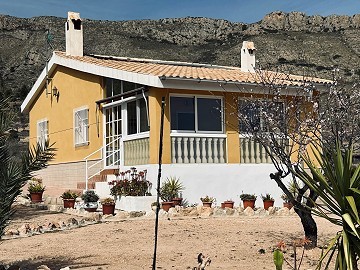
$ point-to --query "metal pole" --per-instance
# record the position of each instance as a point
(158, 182)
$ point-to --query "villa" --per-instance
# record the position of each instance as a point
(103, 113)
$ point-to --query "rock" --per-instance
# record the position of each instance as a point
(24, 229)
(283, 211)
(292, 211)
(271, 211)
(122, 215)
(206, 212)
(260, 212)
(72, 221)
(136, 214)
(43, 267)
(229, 211)
(93, 216)
(249, 211)
(150, 214)
(219, 211)
(12, 232)
(55, 208)
(65, 268)
(194, 213)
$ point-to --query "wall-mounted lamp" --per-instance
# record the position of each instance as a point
(55, 92)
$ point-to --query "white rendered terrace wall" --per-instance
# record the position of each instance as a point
(222, 181)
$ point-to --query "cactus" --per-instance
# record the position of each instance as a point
(278, 259)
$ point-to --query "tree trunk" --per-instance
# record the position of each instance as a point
(309, 226)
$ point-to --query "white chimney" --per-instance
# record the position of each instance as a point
(248, 56)
(74, 34)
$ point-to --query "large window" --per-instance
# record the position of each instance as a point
(42, 132)
(260, 115)
(81, 126)
(196, 114)
(137, 119)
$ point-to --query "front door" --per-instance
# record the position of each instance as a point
(113, 141)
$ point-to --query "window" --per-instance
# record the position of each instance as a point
(252, 115)
(137, 119)
(81, 127)
(42, 132)
(116, 87)
(196, 114)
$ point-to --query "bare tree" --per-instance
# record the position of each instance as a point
(283, 116)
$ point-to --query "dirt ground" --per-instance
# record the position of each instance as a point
(231, 242)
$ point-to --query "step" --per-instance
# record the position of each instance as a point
(109, 171)
(82, 185)
(98, 178)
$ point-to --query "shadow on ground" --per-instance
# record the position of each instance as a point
(57, 263)
(24, 212)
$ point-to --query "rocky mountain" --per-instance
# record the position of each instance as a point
(291, 42)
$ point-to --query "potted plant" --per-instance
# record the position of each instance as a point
(90, 199)
(169, 190)
(248, 200)
(108, 206)
(207, 201)
(267, 200)
(286, 202)
(36, 189)
(228, 204)
(69, 198)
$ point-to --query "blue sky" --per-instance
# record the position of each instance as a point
(247, 11)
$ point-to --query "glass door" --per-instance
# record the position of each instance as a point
(113, 136)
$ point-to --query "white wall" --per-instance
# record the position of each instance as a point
(222, 181)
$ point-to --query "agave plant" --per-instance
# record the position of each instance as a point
(337, 182)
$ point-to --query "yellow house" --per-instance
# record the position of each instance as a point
(104, 112)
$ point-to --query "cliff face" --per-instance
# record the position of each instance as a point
(291, 42)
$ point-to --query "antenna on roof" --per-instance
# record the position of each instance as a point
(49, 40)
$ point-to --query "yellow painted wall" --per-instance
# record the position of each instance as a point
(77, 89)
(155, 95)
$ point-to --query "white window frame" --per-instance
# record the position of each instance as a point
(137, 100)
(42, 131)
(84, 127)
(196, 114)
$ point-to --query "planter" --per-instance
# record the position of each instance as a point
(108, 209)
(36, 196)
(249, 203)
(177, 201)
(288, 205)
(166, 206)
(207, 204)
(222, 205)
(268, 203)
(69, 203)
(134, 203)
(228, 204)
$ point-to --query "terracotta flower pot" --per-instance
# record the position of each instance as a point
(108, 209)
(288, 205)
(268, 203)
(166, 205)
(207, 204)
(36, 196)
(222, 205)
(177, 201)
(90, 209)
(69, 203)
(229, 204)
(249, 203)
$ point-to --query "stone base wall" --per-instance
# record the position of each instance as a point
(60, 177)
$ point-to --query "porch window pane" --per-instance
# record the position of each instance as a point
(209, 114)
(128, 86)
(131, 118)
(143, 116)
(81, 127)
(182, 113)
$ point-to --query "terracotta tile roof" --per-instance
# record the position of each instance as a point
(182, 70)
